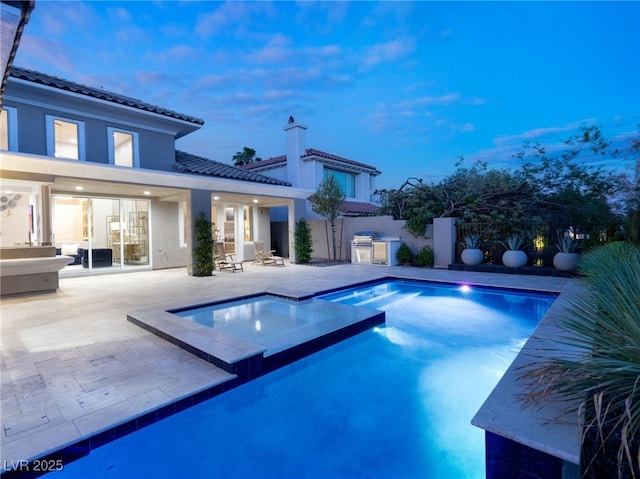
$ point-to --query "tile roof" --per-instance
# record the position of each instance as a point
(329, 156)
(358, 208)
(188, 163)
(62, 84)
(271, 161)
(310, 152)
(355, 208)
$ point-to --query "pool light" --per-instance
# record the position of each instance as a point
(465, 289)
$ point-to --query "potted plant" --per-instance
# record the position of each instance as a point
(514, 257)
(471, 254)
(566, 259)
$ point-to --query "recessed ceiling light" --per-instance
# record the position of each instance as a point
(79, 188)
(255, 201)
(216, 198)
(147, 192)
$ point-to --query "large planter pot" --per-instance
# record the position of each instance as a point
(566, 261)
(514, 258)
(472, 256)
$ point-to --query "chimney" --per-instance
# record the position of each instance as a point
(295, 149)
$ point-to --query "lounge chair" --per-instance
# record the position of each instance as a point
(266, 257)
(225, 260)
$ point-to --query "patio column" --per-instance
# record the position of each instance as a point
(45, 227)
(444, 242)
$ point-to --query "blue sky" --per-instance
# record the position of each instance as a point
(405, 86)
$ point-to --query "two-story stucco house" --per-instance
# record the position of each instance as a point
(97, 175)
(305, 168)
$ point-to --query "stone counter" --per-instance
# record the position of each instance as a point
(31, 275)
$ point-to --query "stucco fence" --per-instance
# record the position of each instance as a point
(440, 236)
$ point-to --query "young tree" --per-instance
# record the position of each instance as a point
(245, 157)
(327, 202)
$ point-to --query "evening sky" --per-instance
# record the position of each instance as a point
(405, 86)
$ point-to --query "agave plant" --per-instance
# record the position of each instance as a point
(566, 245)
(514, 242)
(471, 241)
(598, 361)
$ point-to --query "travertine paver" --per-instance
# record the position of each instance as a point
(72, 365)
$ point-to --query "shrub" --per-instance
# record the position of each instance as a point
(404, 255)
(303, 242)
(424, 258)
(203, 249)
(596, 362)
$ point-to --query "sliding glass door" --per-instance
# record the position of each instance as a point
(102, 232)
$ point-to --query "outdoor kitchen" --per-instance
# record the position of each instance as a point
(368, 247)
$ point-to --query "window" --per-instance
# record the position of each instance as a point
(65, 138)
(8, 129)
(347, 181)
(123, 148)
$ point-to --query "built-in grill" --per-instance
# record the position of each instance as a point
(363, 238)
(362, 246)
(368, 247)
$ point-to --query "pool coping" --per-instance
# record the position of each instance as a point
(549, 426)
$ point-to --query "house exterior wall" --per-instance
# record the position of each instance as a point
(277, 172)
(156, 137)
(166, 248)
(363, 184)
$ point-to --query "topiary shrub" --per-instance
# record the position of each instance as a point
(404, 255)
(203, 248)
(303, 242)
(424, 258)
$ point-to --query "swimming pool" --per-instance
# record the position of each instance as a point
(392, 402)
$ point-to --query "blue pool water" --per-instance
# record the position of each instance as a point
(393, 402)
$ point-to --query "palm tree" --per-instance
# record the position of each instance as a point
(245, 157)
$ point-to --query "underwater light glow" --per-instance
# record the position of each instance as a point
(465, 288)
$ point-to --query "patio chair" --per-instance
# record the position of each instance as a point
(266, 257)
(224, 260)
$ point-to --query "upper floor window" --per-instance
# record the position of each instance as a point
(65, 138)
(347, 181)
(123, 147)
(9, 129)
